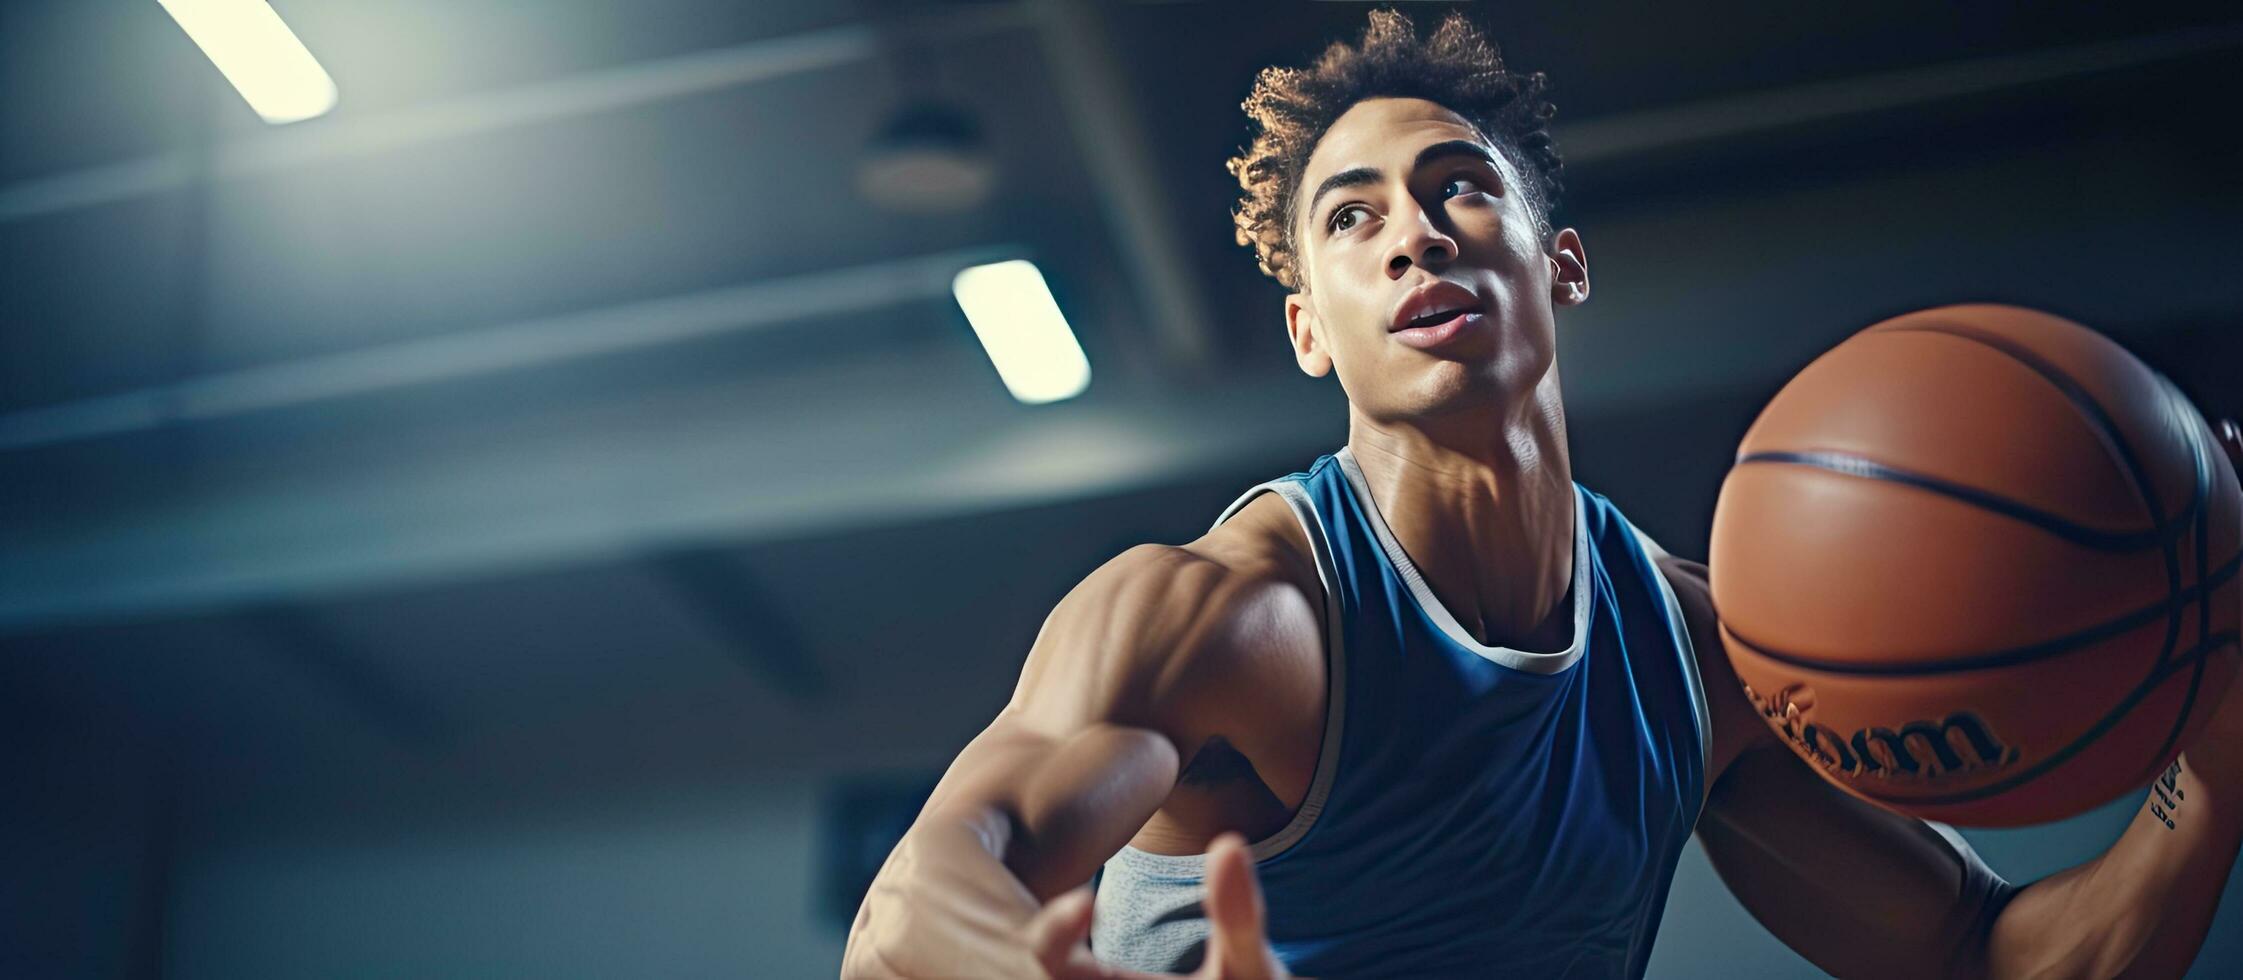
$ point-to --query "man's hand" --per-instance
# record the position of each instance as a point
(1237, 946)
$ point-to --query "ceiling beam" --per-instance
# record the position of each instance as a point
(624, 476)
(496, 347)
(1117, 151)
(583, 94)
(1638, 133)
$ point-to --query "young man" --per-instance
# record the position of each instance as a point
(1467, 714)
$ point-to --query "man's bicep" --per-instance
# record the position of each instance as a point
(1136, 646)
(1111, 649)
(1070, 682)
(1086, 749)
(1856, 889)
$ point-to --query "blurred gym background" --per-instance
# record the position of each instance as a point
(545, 512)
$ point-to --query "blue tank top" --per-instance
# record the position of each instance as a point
(1475, 810)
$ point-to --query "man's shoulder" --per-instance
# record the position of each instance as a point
(1243, 585)
(1252, 578)
(1168, 637)
(1262, 542)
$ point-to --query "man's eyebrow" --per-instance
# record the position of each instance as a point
(1358, 176)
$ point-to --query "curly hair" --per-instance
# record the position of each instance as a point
(1456, 67)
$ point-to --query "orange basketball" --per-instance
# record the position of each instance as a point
(1978, 564)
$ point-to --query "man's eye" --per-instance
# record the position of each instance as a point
(1458, 182)
(1343, 219)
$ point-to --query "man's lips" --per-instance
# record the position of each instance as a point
(1441, 316)
(1444, 328)
(1433, 303)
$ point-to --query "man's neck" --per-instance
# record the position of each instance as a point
(1485, 509)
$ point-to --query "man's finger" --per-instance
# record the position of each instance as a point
(1056, 937)
(1058, 928)
(1237, 947)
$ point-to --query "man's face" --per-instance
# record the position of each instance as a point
(1405, 210)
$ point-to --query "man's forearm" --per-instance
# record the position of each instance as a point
(2142, 908)
(1029, 819)
(1085, 802)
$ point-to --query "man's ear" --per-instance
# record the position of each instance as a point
(1305, 329)
(1569, 269)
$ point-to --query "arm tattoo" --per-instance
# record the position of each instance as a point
(2166, 795)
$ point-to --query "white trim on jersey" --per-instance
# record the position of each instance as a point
(1531, 661)
(1689, 650)
(1335, 713)
(1335, 660)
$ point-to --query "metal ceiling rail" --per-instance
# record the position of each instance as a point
(582, 94)
(1634, 133)
(497, 347)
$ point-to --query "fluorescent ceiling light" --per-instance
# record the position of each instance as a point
(1022, 329)
(259, 54)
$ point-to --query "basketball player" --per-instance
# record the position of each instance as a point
(1467, 714)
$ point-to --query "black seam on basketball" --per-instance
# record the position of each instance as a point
(1848, 464)
(2083, 401)
(2167, 663)
(2105, 429)
(2195, 656)
(2126, 622)
(2197, 453)
(2174, 607)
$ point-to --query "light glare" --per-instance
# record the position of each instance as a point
(1021, 328)
(271, 69)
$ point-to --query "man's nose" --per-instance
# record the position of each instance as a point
(1421, 244)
